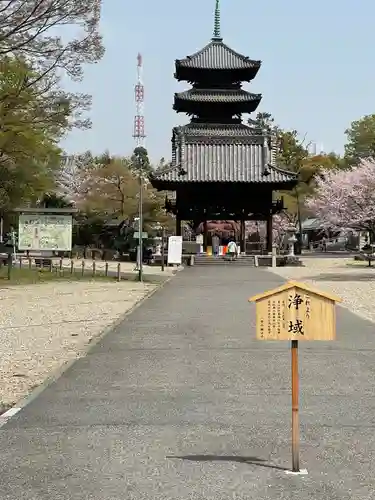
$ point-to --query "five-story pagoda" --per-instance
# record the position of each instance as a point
(221, 168)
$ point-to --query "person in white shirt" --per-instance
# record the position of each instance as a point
(232, 250)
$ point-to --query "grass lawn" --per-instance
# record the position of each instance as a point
(27, 276)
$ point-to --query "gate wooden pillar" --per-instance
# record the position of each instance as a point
(243, 237)
(269, 237)
(178, 226)
(205, 236)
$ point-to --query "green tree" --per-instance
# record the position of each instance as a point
(360, 140)
(23, 184)
(33, 119)
(293, 155)
(290, 155)
(112, 188)
(264, 121)
(140, 161)
(29, 98)
(53, 200)
(309, 168)
(291, 150)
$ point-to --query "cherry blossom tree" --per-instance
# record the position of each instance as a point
(73, 175)
(280, 224)
(345, 199)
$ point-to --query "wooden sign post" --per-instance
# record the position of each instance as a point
(294, 312)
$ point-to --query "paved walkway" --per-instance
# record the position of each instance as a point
(180, 402)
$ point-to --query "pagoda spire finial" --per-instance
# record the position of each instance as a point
(217, 32)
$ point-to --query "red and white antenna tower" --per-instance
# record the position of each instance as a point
(139, 119)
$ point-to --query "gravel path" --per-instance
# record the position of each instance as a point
(43, 326)
(355, 284)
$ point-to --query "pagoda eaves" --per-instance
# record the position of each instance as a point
(236, 101)
(216, 56)
(232, 153)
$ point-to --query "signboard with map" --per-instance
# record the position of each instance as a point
(45, 232)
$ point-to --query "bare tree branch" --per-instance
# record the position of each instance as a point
(36, 30)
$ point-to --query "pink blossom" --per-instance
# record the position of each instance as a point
(280, 223)
(346, 198)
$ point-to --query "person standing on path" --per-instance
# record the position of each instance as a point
(215, 245)
(232, 250)
(324, 244)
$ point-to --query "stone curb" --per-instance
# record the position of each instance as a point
(56, 374)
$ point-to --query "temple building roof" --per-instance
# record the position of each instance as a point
(217, 55)
(238, 100)
(205, 131)
(215, 158)
(222, 163)
(219, 96)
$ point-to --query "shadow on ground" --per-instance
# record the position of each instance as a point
(228, 458)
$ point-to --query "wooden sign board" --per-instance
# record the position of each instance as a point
(295, 311)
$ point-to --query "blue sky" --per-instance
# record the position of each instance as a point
(318, 71)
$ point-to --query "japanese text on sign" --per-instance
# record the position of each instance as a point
(295, 311)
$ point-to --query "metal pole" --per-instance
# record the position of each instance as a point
(295, 415)
(140, 241)
(162, 249)
(14, 244)
(10, 265)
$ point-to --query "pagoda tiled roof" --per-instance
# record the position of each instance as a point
(205, 131)
(218, 95)
(222, 158)
(217, 55)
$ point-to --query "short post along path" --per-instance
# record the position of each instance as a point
(181, 401)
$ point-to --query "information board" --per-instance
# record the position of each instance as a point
(295, 311)
(45, 232)
(175, 250)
